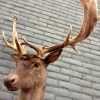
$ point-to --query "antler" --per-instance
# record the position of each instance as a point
(16, 45)
(89, 22)
(44, 50)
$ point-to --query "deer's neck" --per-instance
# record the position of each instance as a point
(34, 94)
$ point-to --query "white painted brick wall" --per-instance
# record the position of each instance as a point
(44, 22)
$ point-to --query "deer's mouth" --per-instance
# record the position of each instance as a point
(12, 88)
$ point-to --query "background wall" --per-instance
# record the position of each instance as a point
(44, 22)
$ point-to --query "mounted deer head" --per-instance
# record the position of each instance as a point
(30, 73)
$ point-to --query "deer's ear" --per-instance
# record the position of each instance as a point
(16, 57)
(53, 56)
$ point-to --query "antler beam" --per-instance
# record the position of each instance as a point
(89, 22)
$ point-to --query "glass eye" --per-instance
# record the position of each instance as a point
(36, 65)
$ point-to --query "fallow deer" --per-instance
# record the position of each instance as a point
(30, 73)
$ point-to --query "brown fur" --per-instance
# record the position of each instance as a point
(30, 77)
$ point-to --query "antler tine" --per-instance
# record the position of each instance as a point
(21, 51)
(14, 33)
(31, 45)
(7, 43)
(13, 45)
(16, 45)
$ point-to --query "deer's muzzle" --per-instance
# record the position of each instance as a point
(11, 82)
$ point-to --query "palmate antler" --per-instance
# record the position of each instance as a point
(16, 45)
(89, 22)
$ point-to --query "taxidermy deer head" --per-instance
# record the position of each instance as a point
(30, 73)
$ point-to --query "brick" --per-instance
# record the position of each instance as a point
(96, 98)
(25, 3)
(54, 68)
(52, 82)
(0, 84)
(58, 91)
(91, 78)
(37, 22)
(47, 5)
(56, 28)
(47, 43)
(13, 3)
(49, 96)
(61, 64)
(96, 62)
(54, 36)
(40, 15)
(58, 76)
(44, 28)
(4, 70)
(69, 86)
(95, 52)
(95, 43)
(95, 73)
(91, 66)
(80, 69)
(3, 55)
(91, 92)
(69, 50)
(80, 82)
(80, 96)
(57, 41)
(32, 9)
(43, 37)
(31, 31)
(59, 21)
(11, 10)
(96, 86)
(3, 88)
(65, 54)
(1, 77)
(7, 63)
(60, 14)
(4, 12)
(47, 21)
(94, 39)
(91, 56)
(6, 96)
(82, 58)
(90, 46)
(62, 98)
(71, 72)
(72, 61)
(50, 14)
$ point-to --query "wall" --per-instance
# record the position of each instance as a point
(45, 22)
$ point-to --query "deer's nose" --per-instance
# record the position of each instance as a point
(8, 82)
(10, 79)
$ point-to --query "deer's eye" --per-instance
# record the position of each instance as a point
(37, 64)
